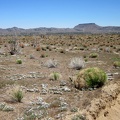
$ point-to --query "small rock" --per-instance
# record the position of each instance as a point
(66, 89)
(62, 83)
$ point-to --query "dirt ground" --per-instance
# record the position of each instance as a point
(32, 76)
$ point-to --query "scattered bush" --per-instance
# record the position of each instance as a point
(77, 63)
(43, 48)
(42, 55)
(86, 59)
(107, 49)
(17, 94)
(90, 78)
(13, 47)
(32, 57)
(37, 48)
(74, 109)
(93, 55)
(82, 48)
(51, 63)
(116, 64)
(79, 117)
(22, 45)
(55, 76)
(19, 61)
(6, 108)
(62, 51)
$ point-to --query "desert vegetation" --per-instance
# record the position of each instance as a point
(58, 76)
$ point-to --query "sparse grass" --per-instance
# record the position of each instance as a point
(3, 83)
(17, 94)
(55, 76)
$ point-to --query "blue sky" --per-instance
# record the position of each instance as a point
(58, 13)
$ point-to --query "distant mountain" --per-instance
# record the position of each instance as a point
(93, 28)
(80, 28)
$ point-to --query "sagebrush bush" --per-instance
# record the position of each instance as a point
(17, 94)
(19, 61)
(77, 63)
(55, 76)
(32, 57)
(90, 78)
(51, 63)
(93, 55)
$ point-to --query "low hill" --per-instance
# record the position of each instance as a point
(80, 28)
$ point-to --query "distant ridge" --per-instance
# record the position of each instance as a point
(80, 28)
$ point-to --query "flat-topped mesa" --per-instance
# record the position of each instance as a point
(87, 27)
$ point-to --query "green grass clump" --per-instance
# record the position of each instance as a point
(55, 76)
(17, 94)
(19, 61)
(90, 78)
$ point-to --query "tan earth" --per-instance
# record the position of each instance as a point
(32, 75)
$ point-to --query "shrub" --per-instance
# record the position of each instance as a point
(17, 94)
(107, 49)
(22, 45)
(77, 63)
(82, 48)
(116, 64)
(90, 78)
(37, 48)
(32, 57)
(51, 63)
(62, 51)
(93, 55)
(43, 48)
(79, 117)
(55, 76)
(43, 55)
(19, 61)
(86, 59)
(13, 47)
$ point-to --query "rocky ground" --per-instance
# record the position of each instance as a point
(57, 99)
